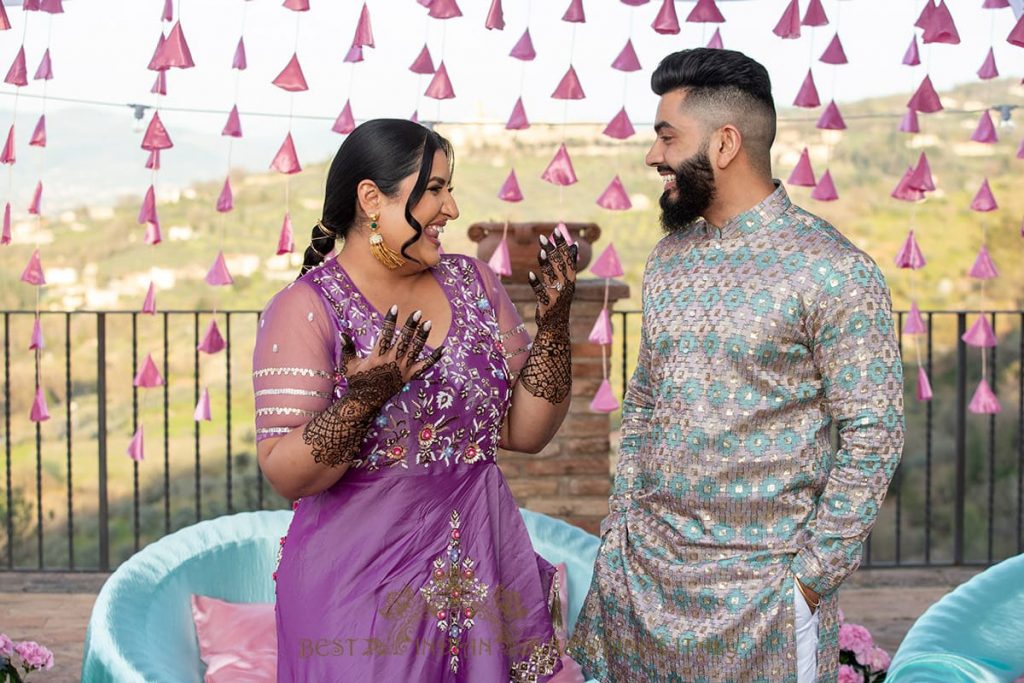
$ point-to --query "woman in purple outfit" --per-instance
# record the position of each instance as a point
(407, 559)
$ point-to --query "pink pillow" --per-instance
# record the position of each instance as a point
(237, 641)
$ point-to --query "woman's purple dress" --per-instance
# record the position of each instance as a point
(416, 565)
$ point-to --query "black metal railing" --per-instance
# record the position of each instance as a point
(73, 500)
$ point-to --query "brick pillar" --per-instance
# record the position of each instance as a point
(571, 477)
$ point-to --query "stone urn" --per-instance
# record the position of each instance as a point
(523, 244)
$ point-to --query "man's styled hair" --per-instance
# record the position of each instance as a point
(724, 87)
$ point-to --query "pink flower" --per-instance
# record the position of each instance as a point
(34, 655)
(877, 660)
(6, 646)
(847, 674)
(857, 639)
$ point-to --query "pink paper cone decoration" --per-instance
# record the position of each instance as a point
(286, 160)
(5, 236)
(39, 134)
(212, 342)
(202, 411)
(136, 449)
(440, 87)
(18, 73)
(803, 174)
(627, 59)
(940, 28)
(825, 190)
(981, 334)
(297, 5)
(834, 53)
(444, 9)
(516, 121)
(831, 119)
(36, 341)
(984, 268)
(995, 4)
(909, 124)
(986, 130)
(716, 41)
(156, 61)
(495, 17)
(988, 68)
(5, 23)
(168, 13)
(564, 232)
(705, 12)
(218, 274)
(910, 255)
(149, 304)
(148, 376)
(614, 197)
(156, 136)
(607, 264)
(789, 22)
(147, 212)
(560, 170)
(667, 22)
(510, 191)
(37, 198)
(912, 57)
(354, 55)
(815, 14)
(1020, 150)
(924, 387)
(523, 49)
(233, 127)
(52, 6)
(226, 200)
(160, 84)
(153, 236)
(601, 333)
(915, 322)
(345, 123)
(635, 3)
(808, 95)
(364, 31)
(40, 411)
(904, 192)
(291, 77)
(153, 160)
(574, 14)
(925, 99)
(45, 70)
(238, 61)
(921, 178)
(604, 400)
(175, 52)
(1016, 36)
(984, 402)
(620, 127)
(286, 241)
(30, 5)
(569, 87)
(8, 154)
(415, 118)
(423, 63)
(984, 200)
(500, 261)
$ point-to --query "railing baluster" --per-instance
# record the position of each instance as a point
(39, 466)
(167, 430)
(101, 439)
(992, 447)
(1020, 440)
(68, 394)
(195, 391)
(259, 473)
(135, 428)
(227, 400)
(901, 466)
(928, 457)
(7, 439)
(961, 438)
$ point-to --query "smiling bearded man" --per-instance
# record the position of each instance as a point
(733, 519)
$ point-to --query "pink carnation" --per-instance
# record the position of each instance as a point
(34, 655)
(857, 639)
(876, 660)
(6, 646)
(847, 674)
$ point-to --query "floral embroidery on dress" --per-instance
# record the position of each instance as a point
(454, 592)
(541, 662)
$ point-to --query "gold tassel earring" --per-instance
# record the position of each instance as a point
(382, 252)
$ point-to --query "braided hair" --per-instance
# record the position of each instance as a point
(385, 151)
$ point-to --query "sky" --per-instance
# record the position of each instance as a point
(100, 49)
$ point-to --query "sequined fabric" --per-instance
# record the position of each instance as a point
(756, 336)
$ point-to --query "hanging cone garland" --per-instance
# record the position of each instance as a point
(175, 52)
(149, 304)
(45, 70)
(153, 236)
(40, 411)
(984, 402)
(148, 375)
(924, 387)
(921, 179)
(904, 192)
(517, 120)
(17, 75)
(156, 136)
(33, 273)
(153, 160)
(8, 156)
(160, 84)
(37, 198)
(614, 197)
(1016, 36)
(444, 9)
(574, 14)
(495, 17)
(815, 15)
(834, 53)
(440, 87)
(808, 95)
(238, 61)
(604, 400)
(716, 41)
(202, 411)
(5, 22)
(825, 190)
(523, 49)
(789, 23)
(667, 22)
(912, 57)
(627, 59)
(831, 118)
(569, 87)
(136, 448)
(147, 212)
(940, 27)
(620, 127)
(226, 200)
(909, 123)
(705, 12)
(803, 174)
(560, 170)
(510, 191)
(354, 55)
(985, 132)
(36, 341)
(914, 323)
(984, 268)
(212, 342)
(981, 334)
(607, 264)
(601, 333)
(500, 261)
(286, 241)
(910, 255)
(5, 236)
(364, 29)
(345, 123)
(218, 274)
(286, 160)
(423, 64)
(38, 138)
(984, 200)
(988, 68)
(233, 127)
(925, 99)
(291, 77)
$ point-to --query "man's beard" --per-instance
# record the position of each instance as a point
(694, 191)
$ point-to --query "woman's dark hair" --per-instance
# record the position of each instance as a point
(385, 151)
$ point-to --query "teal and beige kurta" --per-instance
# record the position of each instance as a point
(756, 337)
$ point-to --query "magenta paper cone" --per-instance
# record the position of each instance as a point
(517, 120)
(156, 61)
(345, 123)
(156, 136)
(831, 118)
(175, 52)
(914, 323)
(921, 178)
(36, 342)
(1016, 35)
(705, 12)
(825, 190)
(147, 212)
(716, 41)
(909, 124)
(153, 160)
(569, 87)
(601, 333)
(5, 22)
(423, 64)
(815, 14)
(212, 342)
(941, 28)
(495, 17)
(620, 127)
(153, 236)
(666, 22)
(789, 23)
(149, 305)
(910, 255)
(986, 130)
(148, 375)
(8, 157)
(995, 4)
(38, 138)
(924, 387)
(444, 9)
(291, 77)
(45, 70)
(988, 68)
(912, 57)
(218, 273)
(614, 197)
(33, 273)
(226, 200)
(364, 30)
(17, 75)
(808, 95)
(233, 127)
(984, 268)
(354, 55)
(440, 87)
(984, 200)
(286, 241)
(415, 118)
(5, 236)
(136, 449)
(286, 160)
(160, 84)
(168, 13)
(500, 261)
(834, 53)
(574, 13)
(297, 5)
(904, 192)
(604, 400)
(202, 411)
(37, 199)
(980, 335)
(40, 411)
(238, 61)
(803, 174)
(560, 170)
(984, 402)
(925, 99)
(523, 49)
(627, 59)
(510, 191)
(607, 264)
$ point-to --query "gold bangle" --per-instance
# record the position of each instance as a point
(803, 592)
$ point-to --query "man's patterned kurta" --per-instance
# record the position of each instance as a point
(756, 336)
